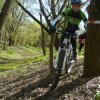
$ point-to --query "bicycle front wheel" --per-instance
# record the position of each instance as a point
(60, 63)
(69, 62)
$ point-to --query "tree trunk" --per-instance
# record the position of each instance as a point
(10, 41)
(43, 42)
(17, 40)
(53, 9)
(92, 49)
(22, 39)
(51, 52)
(4, 12)
(0, 35)
(56, 43)
(4, 44)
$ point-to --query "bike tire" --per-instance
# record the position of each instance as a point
(69, 62)
(59, 70)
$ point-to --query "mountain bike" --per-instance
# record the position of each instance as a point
(64, 58)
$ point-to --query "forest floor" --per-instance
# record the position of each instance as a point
(32, 82)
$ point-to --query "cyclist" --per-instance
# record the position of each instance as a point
(73, 16)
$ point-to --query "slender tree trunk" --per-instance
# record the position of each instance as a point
(4, 44)
(22, 39)
(92, 49)
(56, 43)
(43, 42)
(53, 8)
(17, 40)
(0, 35)
(10, 41)
(51, 49)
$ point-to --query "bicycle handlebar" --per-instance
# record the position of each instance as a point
(69, 34)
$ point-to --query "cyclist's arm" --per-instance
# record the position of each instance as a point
(59, 18)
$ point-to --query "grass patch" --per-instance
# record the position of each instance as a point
(15, 58)
(9, 53)
(20, 65)
(17, 64)
(19, 52)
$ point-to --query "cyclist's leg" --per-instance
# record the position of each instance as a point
(81, 46)
(62, 38)
(74, 45)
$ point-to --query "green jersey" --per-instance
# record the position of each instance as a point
(73, 18)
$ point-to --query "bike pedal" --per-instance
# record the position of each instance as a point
(72, 61)
(69, 68)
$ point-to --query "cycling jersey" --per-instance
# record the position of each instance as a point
(73, 19)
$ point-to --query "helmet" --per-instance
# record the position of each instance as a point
(76, 1)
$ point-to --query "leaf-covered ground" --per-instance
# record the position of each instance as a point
(35, 85)
(24, 76)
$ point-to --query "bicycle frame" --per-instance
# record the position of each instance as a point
(66, 48)
(63, 60)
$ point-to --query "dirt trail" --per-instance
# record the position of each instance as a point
(35, 84)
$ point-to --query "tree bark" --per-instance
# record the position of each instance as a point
(4, 12)
(92, 49)
(10, 41)
(43, 42)
(51, 49)
(56, 43)
(5, 37)
(43, 12)
(63, 6)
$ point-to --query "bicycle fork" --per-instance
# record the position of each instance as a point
(61, 58)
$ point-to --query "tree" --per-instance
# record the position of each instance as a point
(92, 49)
(52, 14)
(15, 19)
(1, 4)
(48, 15)
(4, 12)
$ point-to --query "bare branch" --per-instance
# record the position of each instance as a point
(53, 8)
(63, 6)
(34, 18)
(43, 12)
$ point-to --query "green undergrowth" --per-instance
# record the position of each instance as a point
(22, 58)
(17, 52)
(22, 66)
(19, 63)
(15, 57)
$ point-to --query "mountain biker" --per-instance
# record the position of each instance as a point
(73, 17)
